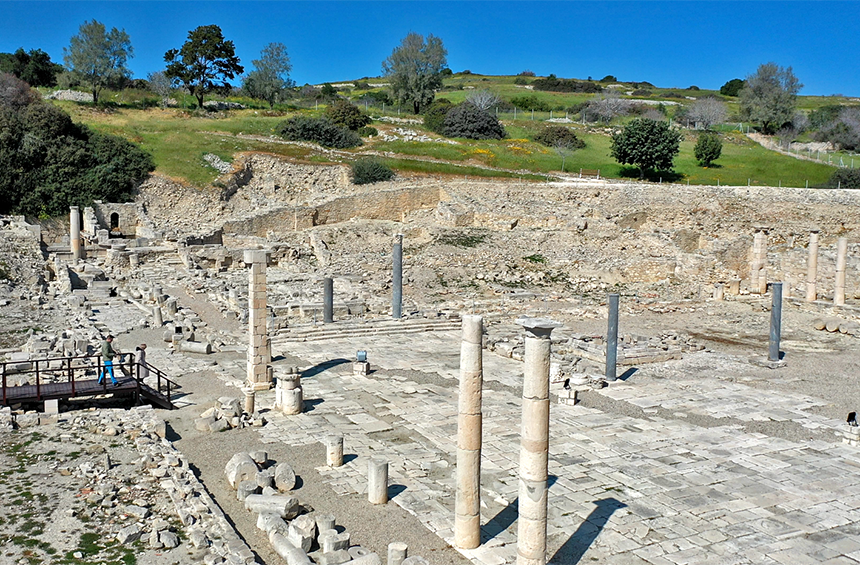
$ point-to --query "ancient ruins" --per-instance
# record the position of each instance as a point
(433, 370)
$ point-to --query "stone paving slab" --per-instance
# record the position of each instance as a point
(650, 491)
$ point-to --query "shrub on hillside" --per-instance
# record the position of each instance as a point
(559, 136)
(318, 130)
(708, 149)
(844, 178)
(641, 92)
(469, 121)
(732, 87)
(553, 84)
(367, 131)
(609, 78)
(344, 113)
(434, 116)
(370, 170)
(530, 102)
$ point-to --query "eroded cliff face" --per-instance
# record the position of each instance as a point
(615, 232)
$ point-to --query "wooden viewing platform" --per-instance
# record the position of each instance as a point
(63, 378)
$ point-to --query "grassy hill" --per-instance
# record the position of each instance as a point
(179, 138)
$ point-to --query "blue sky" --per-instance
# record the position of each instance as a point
(670, 44)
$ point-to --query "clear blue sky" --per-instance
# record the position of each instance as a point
(666, 43)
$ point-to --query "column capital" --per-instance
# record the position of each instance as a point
(538, 327)
(256, 256)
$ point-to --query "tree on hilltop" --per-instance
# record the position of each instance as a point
(33, 67)
(99, 56)
(414, 69)
(770, 96)
(205, 62)
(732, 87)
(271, 74)
(646, 144)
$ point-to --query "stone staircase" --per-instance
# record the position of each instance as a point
(348, 329)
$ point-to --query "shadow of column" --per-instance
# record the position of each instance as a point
(575, 547)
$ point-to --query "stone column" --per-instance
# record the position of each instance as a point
(258, 349)
(534, 446)
(377, 481)
(719, 292)
(612, 339)
(334, 450)
(775, 323)
(467, 519)
(289, 396)
(249, 399)
(397, 278)
(812, 268)
(328, 300)
(841, 253)
(75, 232)
(396, 552)
(758, 265)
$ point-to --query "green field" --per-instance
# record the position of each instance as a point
(178, 139)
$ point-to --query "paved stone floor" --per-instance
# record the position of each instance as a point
(654, 490)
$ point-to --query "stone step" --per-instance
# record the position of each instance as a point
(329, 332)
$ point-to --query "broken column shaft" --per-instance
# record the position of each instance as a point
(258, 349)
(841, 253)
(534, 445)
(467, 520)
(812, 268)
(75, 232)
(377, 481)
(397, 278)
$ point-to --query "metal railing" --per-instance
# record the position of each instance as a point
(75, 369)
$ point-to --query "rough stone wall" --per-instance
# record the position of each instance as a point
(129, 216)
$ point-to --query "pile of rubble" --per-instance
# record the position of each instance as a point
(403, 134)
(834, 325)
(227, 415)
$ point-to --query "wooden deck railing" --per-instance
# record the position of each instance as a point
(75, 369)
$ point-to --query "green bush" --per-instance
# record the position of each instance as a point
(559, 136)
(370, 170)
(732, 87)
(641, 92)
(469, 121)
(367, 131)
(844, 178)
(609, 78)
(530, 102)
(553, 84)
(318, 130)
(708, 149)
(434, 116)
(344, 113)
(646, 144)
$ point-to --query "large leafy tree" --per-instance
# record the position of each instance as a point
(647, 144)
(415, 68)
(271, 74)
(99, 56)
(205, 62)
(769, 97)
(34, 67)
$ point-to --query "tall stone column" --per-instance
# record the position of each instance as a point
(467, 520)
(75, 232)
(397, 278)
(812, 268)
(258, 350)
(841, 254)
(612, 339)
(534, 445)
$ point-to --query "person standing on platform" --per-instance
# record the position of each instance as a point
(108, 354)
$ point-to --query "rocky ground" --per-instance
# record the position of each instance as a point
(88, 487)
